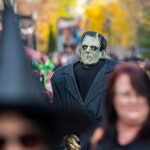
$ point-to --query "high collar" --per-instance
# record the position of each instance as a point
(87, 67)
(109, 64)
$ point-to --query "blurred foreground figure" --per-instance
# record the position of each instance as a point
(19, 132)
(27, 122)
(127, 110)
(23, 115)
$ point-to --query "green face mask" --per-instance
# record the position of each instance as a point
(90, 52)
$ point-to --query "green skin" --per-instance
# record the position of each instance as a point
(90, 52)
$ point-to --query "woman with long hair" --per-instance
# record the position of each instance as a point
(127, 110)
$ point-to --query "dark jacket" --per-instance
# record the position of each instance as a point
(67, 95)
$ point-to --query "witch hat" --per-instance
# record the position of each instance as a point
(16, 78)
(19, 89)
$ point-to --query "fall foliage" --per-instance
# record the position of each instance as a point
(49, 12)
(118, 20)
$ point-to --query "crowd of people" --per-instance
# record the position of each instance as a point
(85, 102)
(84, 84)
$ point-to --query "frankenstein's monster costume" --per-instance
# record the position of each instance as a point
(67, 95)
(80, 86)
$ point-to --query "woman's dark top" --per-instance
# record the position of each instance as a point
(113, 145)
(110, 142)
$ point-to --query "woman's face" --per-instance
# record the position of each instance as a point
(131, 107)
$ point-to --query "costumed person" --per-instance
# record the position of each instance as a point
(127, 110)
(81, 86)
(26, 119)
(46, 71)
(76, 85)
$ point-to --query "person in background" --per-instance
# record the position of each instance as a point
(44, 68)
(56, 57)
(127, 110)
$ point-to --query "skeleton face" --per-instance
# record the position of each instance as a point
(90, 52)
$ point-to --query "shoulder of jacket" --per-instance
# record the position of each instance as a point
(112, 63)
(61, 70)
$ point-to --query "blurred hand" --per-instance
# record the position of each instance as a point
(97, 135)
(72, 142)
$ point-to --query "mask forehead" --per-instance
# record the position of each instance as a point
(89, 40)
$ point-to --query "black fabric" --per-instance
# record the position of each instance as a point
(110, 142)
(85, 75)
(67, 95)
(113, 145)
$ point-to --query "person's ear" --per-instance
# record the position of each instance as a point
(103, 53)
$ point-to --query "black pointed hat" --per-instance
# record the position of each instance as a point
(16, 78)
(19, 89)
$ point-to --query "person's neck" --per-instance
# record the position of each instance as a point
(85, 66)
(126, 133)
